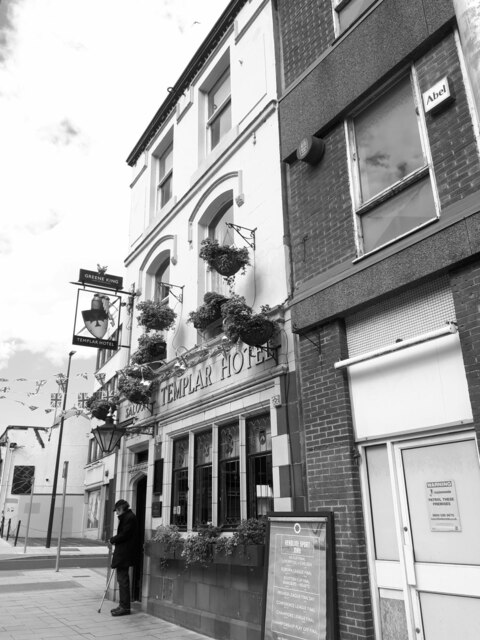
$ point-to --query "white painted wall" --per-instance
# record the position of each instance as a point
(29, 452)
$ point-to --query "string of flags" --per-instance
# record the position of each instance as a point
(34, 395)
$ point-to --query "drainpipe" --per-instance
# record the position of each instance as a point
(468, 19)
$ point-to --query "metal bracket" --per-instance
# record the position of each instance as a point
(317, 345)
(250, 241)
(176, 286)
(270, 351)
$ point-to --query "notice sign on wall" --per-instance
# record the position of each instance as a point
(300, 596)
(443, 506)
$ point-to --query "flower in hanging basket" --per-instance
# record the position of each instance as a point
(138, 371)
(226, 260)
(101, 408)
(151, 346)
(155, 316)
(240, 322)
(135, 390)
(208, 312)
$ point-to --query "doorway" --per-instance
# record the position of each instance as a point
(140, 509)
(423, 498)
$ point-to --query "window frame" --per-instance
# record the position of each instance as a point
(165, 178)
(160, 289)
(213, 115)
(21, 478)
(223, 496)
(206, 484)
(337, 8)
(361, 208)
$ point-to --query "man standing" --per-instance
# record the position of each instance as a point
(124, 554)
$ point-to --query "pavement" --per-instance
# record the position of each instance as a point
(44, 604)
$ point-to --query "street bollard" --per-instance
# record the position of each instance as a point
(8, 528)
(1, 526)
(16, 535)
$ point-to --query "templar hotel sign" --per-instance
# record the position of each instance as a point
(97, 315)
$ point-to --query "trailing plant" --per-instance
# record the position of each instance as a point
(155, 316)
(151, 346)
(240, 322)
(168, 534)
(249, 531)
(138, 371)
(136, 390)
(99, 407)
(227, 260)
(198, 546)
(208, 312)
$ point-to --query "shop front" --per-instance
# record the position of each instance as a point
(222, 429)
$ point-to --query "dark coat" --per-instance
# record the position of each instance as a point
(125, 541)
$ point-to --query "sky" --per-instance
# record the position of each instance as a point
(80, 80)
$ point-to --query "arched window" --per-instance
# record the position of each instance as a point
(162, 276)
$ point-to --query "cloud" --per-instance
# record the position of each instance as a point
(48, 223)
(63, 133)
(5, 244)
(6, 28)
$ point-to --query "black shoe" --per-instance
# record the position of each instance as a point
(120, 612)
(116, 609)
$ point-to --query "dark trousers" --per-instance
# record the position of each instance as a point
(123, 579)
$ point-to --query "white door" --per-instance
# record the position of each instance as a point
(424, 532)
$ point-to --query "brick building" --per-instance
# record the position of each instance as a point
(380, 138)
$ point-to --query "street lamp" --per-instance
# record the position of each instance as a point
(57, 463)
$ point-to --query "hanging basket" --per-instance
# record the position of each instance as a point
(227, 265)
(259, 331)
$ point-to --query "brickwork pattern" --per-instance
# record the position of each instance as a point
(307, 31)
(320, 211)
(465, 283)
(450, 131)
(333, 475)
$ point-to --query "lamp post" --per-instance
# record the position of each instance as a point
(57, 463)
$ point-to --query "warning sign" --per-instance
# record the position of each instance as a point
(443, 506)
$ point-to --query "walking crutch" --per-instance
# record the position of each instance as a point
(108, 584)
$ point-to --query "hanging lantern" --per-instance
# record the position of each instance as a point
(108, 435)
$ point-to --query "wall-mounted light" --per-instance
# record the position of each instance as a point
(311, 150)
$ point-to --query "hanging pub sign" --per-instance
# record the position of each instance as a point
(97, 318)
(300, 597)
(100, 279)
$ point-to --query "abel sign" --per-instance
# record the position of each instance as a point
(437, 96)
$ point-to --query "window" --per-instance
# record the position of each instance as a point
(219, 230)
(349, 10)
(229, 475)
(260, 477)
(22, 480)
(393, 193)
(202, 506)
(162, 278)
(94, 452)
(219, 109)
(221, 456)
(165, 163)
(93, 513)
(180, 483)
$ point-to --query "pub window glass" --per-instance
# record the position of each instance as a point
(180, 483)
(229, 476)
(202, 506)
(260, 477)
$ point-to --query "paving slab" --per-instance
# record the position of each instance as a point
(44, 604)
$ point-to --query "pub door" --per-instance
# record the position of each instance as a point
(423, 499)
(140, 508)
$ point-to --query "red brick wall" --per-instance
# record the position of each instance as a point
(320, 210)
(332, 472)
(307, 30)
(450, 132)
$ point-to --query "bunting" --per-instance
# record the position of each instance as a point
(55, 399)
(82, 400)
